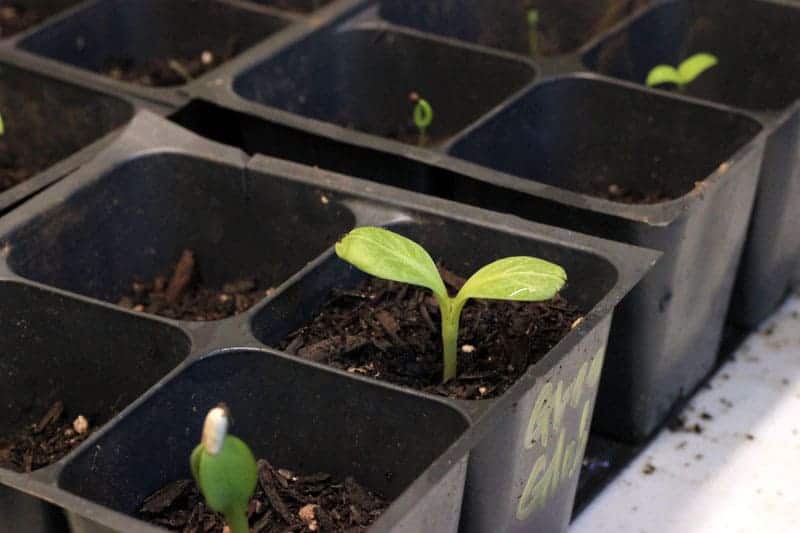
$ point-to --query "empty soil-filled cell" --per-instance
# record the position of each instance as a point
(756, 43)
(363, 79)
(178, 236)
(577, 134)
(19, 15)
(295, 6)
(64, 359)
(46, 121)
(152, 42)
(528, 27)
(332, 424)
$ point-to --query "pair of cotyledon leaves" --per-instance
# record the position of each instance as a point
(387, 255)
(684, 74)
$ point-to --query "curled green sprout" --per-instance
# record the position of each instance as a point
(686, 72)
(385, 254)
(225, 470)
(422, 115)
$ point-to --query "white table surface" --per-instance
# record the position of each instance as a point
(742, 473)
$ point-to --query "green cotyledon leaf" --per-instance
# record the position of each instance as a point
(663, 74)
(695, 65)
(525, 279)
(228, 478)
(385, 254)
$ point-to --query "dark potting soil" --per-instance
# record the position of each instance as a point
(166, 72)
(391, 331)
(19, 16)
(43, 443)
(283, 502)
(184, 297)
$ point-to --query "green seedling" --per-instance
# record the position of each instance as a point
(385, 254)
(422, 115)
(2, 126)
(686, 72)
(533, 31)
(225, 470)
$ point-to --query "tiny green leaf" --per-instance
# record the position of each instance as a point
(663, 74)
(693, 66)
(525, 279)
(385, 254)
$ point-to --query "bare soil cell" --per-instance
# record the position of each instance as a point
(391, 331)
(167, 72)
(183, 296)
(283, 502)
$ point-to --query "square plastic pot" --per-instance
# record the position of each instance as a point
(755, 73)
(525, 447)
(297, 417)
(88, 40)
(94, 359)
(564, 25)
(50, 128)
(365, 85)
(556, 153)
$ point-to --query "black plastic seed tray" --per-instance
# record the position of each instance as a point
(555, 148)
(70, 253)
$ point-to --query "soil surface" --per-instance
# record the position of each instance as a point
(166, 72)
(184, 297)
(283, 502)
(391, 331)
(45, 442)
(16, 16)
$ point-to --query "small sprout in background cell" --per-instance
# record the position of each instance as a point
(686, 72)
(225, 470)
(385, 254)
(2, 126)
(533, 31)
(422, 115)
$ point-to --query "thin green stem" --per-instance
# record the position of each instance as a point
(237, 522)
(451, 313)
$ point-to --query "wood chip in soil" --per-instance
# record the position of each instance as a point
(283, 501)
(183, 296)
(391, 331)
(43, 443)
